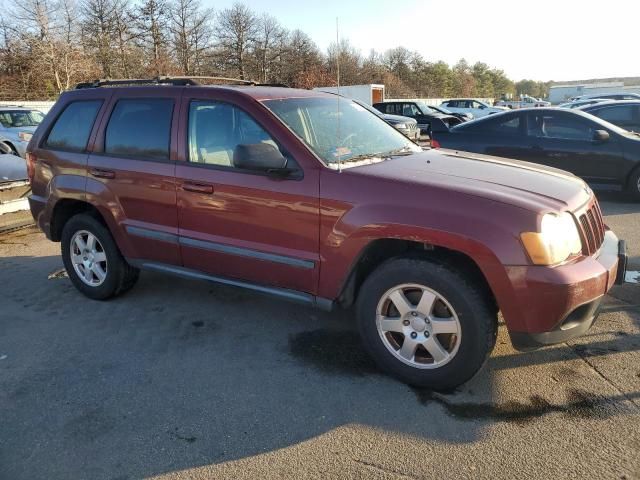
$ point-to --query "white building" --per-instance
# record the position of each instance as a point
(369, 94)
(562, 93)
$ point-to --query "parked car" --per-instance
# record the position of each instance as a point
(405, 125)
(462, 116)
(609, 96)
(12, 167)
(278, 191)
(469, 105)
(17, 124)
(582, 103)
(601, 153)
(419, 111)
(623, 113)
(525, 101)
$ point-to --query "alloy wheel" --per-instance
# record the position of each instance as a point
(88, 258)
(418, 326)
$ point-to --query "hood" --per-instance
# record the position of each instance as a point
(522, 184)
(397, 118)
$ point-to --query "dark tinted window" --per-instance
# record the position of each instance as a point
(501, 125)
(140, 128)
(559, 126)
(72, 128)
(617, 115)
(216, 129)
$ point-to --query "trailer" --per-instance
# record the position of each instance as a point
(369, 94)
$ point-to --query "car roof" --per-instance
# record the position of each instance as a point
(522, 111)
(259, 93)
(609, 103)
(16, 107)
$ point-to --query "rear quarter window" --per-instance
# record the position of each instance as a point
(140, 128)
(71, 130)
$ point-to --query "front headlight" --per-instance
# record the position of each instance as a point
(557, 240)
(402, 126)
(25, 136)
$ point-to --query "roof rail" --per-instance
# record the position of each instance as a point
(162, 80)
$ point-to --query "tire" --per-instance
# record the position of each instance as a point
(118, 277)
(6, 149)
(633, 185)
(458, 300)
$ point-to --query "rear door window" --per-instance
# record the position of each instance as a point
(140, 128)
(500, 125)
(617, 114)
(72, 128)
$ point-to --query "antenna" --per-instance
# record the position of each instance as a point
(338, 149)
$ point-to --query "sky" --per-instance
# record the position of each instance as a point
(544, 40)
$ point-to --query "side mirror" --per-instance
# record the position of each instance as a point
(600, 136)
(261, 157)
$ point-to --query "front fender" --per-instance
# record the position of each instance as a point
(490, 240)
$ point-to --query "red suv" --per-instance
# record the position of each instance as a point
(312, 198)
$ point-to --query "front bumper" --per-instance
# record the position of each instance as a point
(551, 305)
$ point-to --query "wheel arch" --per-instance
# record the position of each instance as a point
(378, 251)
(65, 209)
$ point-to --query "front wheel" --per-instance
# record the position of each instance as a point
(426, 323)
(633, 185)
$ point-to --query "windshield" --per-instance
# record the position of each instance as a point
(441, 109)
(340, 130)
(20, 118)
(426, 109)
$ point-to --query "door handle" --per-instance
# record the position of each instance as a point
(197, 187)
(102, 173)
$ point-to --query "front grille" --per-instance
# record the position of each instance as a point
(592, 229)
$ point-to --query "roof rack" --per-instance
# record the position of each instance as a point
(163, 80)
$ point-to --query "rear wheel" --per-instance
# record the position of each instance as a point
(426, 323)
(92, 259)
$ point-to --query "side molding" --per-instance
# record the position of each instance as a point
(292, 295)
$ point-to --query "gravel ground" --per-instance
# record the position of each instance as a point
(185, 379)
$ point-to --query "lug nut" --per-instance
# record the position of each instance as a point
(414, 334)
(426, 334)
(405, 323)
(427, 321)
(413, 314)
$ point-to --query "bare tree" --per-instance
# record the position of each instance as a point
(51, 30)
(236, 32)
(190, 34)
(269, 46)
(99, 32)
(151, 23)
(349, 59)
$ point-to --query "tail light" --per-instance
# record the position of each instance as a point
(435, 143)
(31, 165)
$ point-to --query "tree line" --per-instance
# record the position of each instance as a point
(48, 46)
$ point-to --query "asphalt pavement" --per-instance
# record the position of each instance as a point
(186, 379)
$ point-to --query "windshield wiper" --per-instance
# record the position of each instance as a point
(363, 156)
(406, 150)
(367, 156)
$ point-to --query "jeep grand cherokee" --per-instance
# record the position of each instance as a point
(314, 199)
